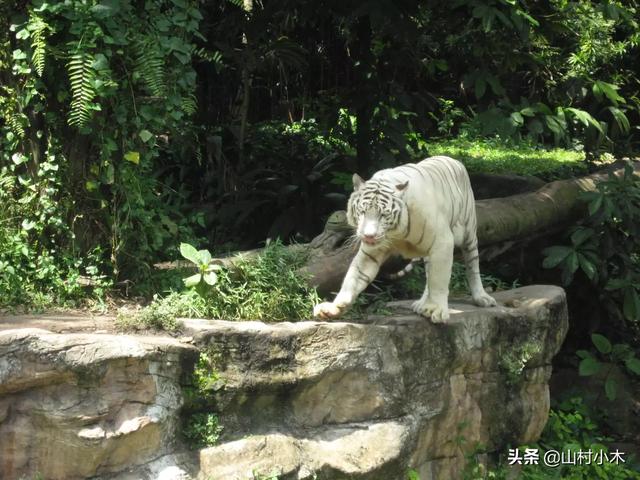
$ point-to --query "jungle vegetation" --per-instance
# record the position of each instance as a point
(130, 127)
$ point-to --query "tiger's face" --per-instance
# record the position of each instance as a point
(375, 209)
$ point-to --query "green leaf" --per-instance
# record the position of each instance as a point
(617, 284)
(517, 118)
(28, 224)
(580, 235)
(589, 366)
(587, 267)
(609, 90)
(210, 278)
(610, 388)
(190, 253)
(90, 185)
(22, 34)
(585, 118)
(595, 204)
(204, 256)
(633, 364)
(621, 119)
(572, 262)
(133, 157)
(145, 135)
(555, 255)
(18, 158)
(631, 307)
(528, 112)
(601, 342)
(193, 280)
(583, 353)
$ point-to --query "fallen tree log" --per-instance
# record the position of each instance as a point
(502, 222)
(508, 219)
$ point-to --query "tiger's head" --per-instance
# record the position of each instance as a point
(376, 209)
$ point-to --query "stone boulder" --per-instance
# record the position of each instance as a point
(364, 400)
(75, 406)
(368, 401)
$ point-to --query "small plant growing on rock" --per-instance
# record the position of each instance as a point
(202, 426)
(206, 276)
(202, 430)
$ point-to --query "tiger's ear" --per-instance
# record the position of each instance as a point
(401, 186)
(357, 182)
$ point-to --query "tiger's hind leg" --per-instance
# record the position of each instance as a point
(419, 305)
(472, 268)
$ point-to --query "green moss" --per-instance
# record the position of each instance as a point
(493, 155)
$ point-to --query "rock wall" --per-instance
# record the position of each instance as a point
(306, 400)
(76, 406)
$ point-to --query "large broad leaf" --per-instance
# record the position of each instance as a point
(580, 235)
(204, 256)
(609, 90)
(587, 267)
(555, 255)
(621, 119)
(601, 342)
(193, 280)
(585, 118)
(210, 278)
(589, 366)
(633, 364)
(190, 253)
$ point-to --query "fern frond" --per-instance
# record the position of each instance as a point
(210, 56)
(81, 76)
(189, 104)
(38, 29)
(16, 124)
(150, 66)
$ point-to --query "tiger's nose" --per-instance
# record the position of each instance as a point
(368, 238)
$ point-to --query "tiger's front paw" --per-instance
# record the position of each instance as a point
(326, 310)
(484, 300)
(438, 313)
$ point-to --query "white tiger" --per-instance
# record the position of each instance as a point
(415, 210)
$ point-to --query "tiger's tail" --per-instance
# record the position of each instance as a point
(407, 268)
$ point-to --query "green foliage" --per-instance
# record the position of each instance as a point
(605, 248)
(412, 475)
(607, 363)
(201, 427)
(570, 428)
(202, 430)
(82, 77)
(501, 156)
(266, 287)
(38, 263)
(163, 312)
(285, 186)
(206, 271)
(77, 91)
(515, 360)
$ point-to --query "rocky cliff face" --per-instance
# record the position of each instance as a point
(306, 400)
